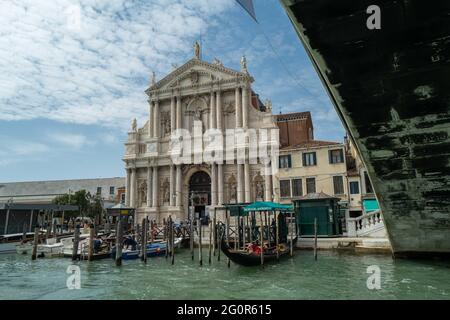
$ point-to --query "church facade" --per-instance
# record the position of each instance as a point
(204, 96)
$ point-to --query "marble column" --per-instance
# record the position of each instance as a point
(213, 184)
(127, 188)
(219, 110)
(247, 182)
(172, 186)
(238, 111)
(240, 189)
(245, 103)
(212, 110)
(155, 187)
(172, 114)
(178, 186)
(219, 184)
(156, 120)
(178, 116)
(150, 119)
(133, 188)
(149, 186)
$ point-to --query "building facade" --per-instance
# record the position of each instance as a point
(196, 97)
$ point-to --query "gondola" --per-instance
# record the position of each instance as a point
(246, 258)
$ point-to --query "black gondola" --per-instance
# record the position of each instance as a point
(246, 258)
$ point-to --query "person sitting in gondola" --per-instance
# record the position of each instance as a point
(129, 242)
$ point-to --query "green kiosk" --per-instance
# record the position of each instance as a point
(322, 207)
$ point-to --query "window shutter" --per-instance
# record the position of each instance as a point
(315, 159)
(330, 156)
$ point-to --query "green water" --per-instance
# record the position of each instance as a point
(334, 276)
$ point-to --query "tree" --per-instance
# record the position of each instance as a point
(80, 198)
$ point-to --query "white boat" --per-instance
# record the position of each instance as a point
(8, 242)
(51, 248)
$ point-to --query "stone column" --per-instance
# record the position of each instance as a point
(127, 188)
(178, 116)
(172, 114)
(172, 186)
(155, 187)
(150, 119)
(213, 184)
(149, 186)
(238, 110)
(219, 110)
(267, 186)
(133, 188)
(245, 103)
(240, 189)
(212, 110)
(247, 182)
(156, 120)
(219, 184)
(178, 186)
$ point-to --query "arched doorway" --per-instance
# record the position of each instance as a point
(200, 190)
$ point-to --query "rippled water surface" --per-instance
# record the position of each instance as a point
(335, 275)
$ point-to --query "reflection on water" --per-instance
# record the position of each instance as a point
(334, 276)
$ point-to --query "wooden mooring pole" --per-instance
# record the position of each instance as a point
(172, 240)
(261, 239)
(35, 243)
(276, 214)
(210, 240)
(291, 249)
(200, 257)
(144, 240)
(91, 243)
(191, 236)
(119, 242)
(315, 239)
(76, 241)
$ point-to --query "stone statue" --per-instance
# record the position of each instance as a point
(153, 78)
(143, 192)
(233, 191)
(259, 190)
(166, 123)
(217, 62)
(166, 192)
(243, 64)
(197, 49)
(134, 125)
(268, 104)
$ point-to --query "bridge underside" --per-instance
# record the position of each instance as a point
(391, 88)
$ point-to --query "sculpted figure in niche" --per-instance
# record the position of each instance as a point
(259, 190)
(166, 192)
(143, 192)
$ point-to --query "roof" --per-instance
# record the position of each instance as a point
(316, 196)
(311, 144)
(293, 116)
(38, 206)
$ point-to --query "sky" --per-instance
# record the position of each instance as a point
(73, 74)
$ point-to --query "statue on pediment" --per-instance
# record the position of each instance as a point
(134, 125)
(197, 50)
(217, 62)
(243, 64)
(153, 81)
(268, 105)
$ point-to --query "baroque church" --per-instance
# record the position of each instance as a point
(218, 97)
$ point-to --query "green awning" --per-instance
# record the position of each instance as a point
(268, 206)
(370, 205)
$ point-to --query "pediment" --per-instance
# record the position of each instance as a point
(196, 72)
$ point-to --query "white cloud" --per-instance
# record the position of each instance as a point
(98, 74)
(70, 140)
(16, 150)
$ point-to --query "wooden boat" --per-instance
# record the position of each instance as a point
(253, 258)
(153, 249)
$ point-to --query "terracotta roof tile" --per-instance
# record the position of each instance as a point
(311, 144)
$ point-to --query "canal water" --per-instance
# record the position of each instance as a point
(336, 275)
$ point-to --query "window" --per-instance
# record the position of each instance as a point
(285, 188)
(297, 190)
(285, 161)
(99, 190)
(309, 159)
(354, 187)
(310, 185)
(336, 156)
(122, 198)
(338, 184)
(111, 190)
